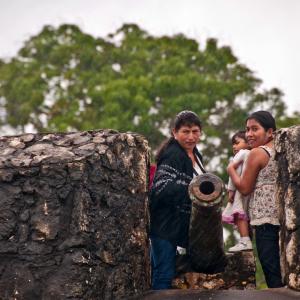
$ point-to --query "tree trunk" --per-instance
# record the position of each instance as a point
(287, 146)
(73, 216)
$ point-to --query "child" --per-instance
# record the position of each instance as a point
(235, 211)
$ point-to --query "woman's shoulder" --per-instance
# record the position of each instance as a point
(261, 152)
(267, 149)
(258, 150)
(173, 152)
(258, 157)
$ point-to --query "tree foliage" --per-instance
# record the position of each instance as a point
(63, 79)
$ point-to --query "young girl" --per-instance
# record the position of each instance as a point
(259, 180)
(235, 211)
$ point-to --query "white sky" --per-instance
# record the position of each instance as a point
(264, 34)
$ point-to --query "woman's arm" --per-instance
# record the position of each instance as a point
(170, 184)
(256, 161)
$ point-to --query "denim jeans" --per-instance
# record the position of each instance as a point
(163, 262)
(267, 244)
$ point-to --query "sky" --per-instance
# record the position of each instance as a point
(264, 34)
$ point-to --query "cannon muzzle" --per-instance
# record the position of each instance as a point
(206, 190)
(206, 246)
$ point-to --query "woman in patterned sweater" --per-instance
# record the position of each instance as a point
(178, 161)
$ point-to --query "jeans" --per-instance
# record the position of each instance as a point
(267, 244)
(163, 262)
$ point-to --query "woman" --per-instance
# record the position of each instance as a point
(170, 206)
(259, 179)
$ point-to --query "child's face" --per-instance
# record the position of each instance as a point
(239, 144)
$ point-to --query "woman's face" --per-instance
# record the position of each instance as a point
(256, 134)
(187, 136)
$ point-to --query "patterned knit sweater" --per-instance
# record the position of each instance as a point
(170, 205)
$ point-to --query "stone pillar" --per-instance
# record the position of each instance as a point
(287, 146)
(73, 216)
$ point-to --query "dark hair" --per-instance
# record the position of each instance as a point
(184, 118)
(264, 118)
(240, 134)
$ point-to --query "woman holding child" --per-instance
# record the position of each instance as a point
(258, 179)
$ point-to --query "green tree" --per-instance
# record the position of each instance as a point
(63, 79)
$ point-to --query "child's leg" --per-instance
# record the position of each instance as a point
(244, 242)
(243, 228)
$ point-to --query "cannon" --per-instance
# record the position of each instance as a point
(206, 246)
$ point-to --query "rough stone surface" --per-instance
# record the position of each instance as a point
(239, 274)
(287, 146)
(73, 216)
(267, 294)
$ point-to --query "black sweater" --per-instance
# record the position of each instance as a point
(170, 205)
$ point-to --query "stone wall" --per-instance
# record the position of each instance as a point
(239, 274)
(73, 216)
(287, 145)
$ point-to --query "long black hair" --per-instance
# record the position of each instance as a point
(184, 118)
(264, 118)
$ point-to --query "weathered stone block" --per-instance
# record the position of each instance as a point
(287, 146)
(73, 216)
(239, 274)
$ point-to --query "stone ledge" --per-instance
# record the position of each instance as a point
(274, 294)
(239, 274)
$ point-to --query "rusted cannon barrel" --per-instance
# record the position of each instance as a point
(206, 246)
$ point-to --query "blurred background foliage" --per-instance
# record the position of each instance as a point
(66, 80)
